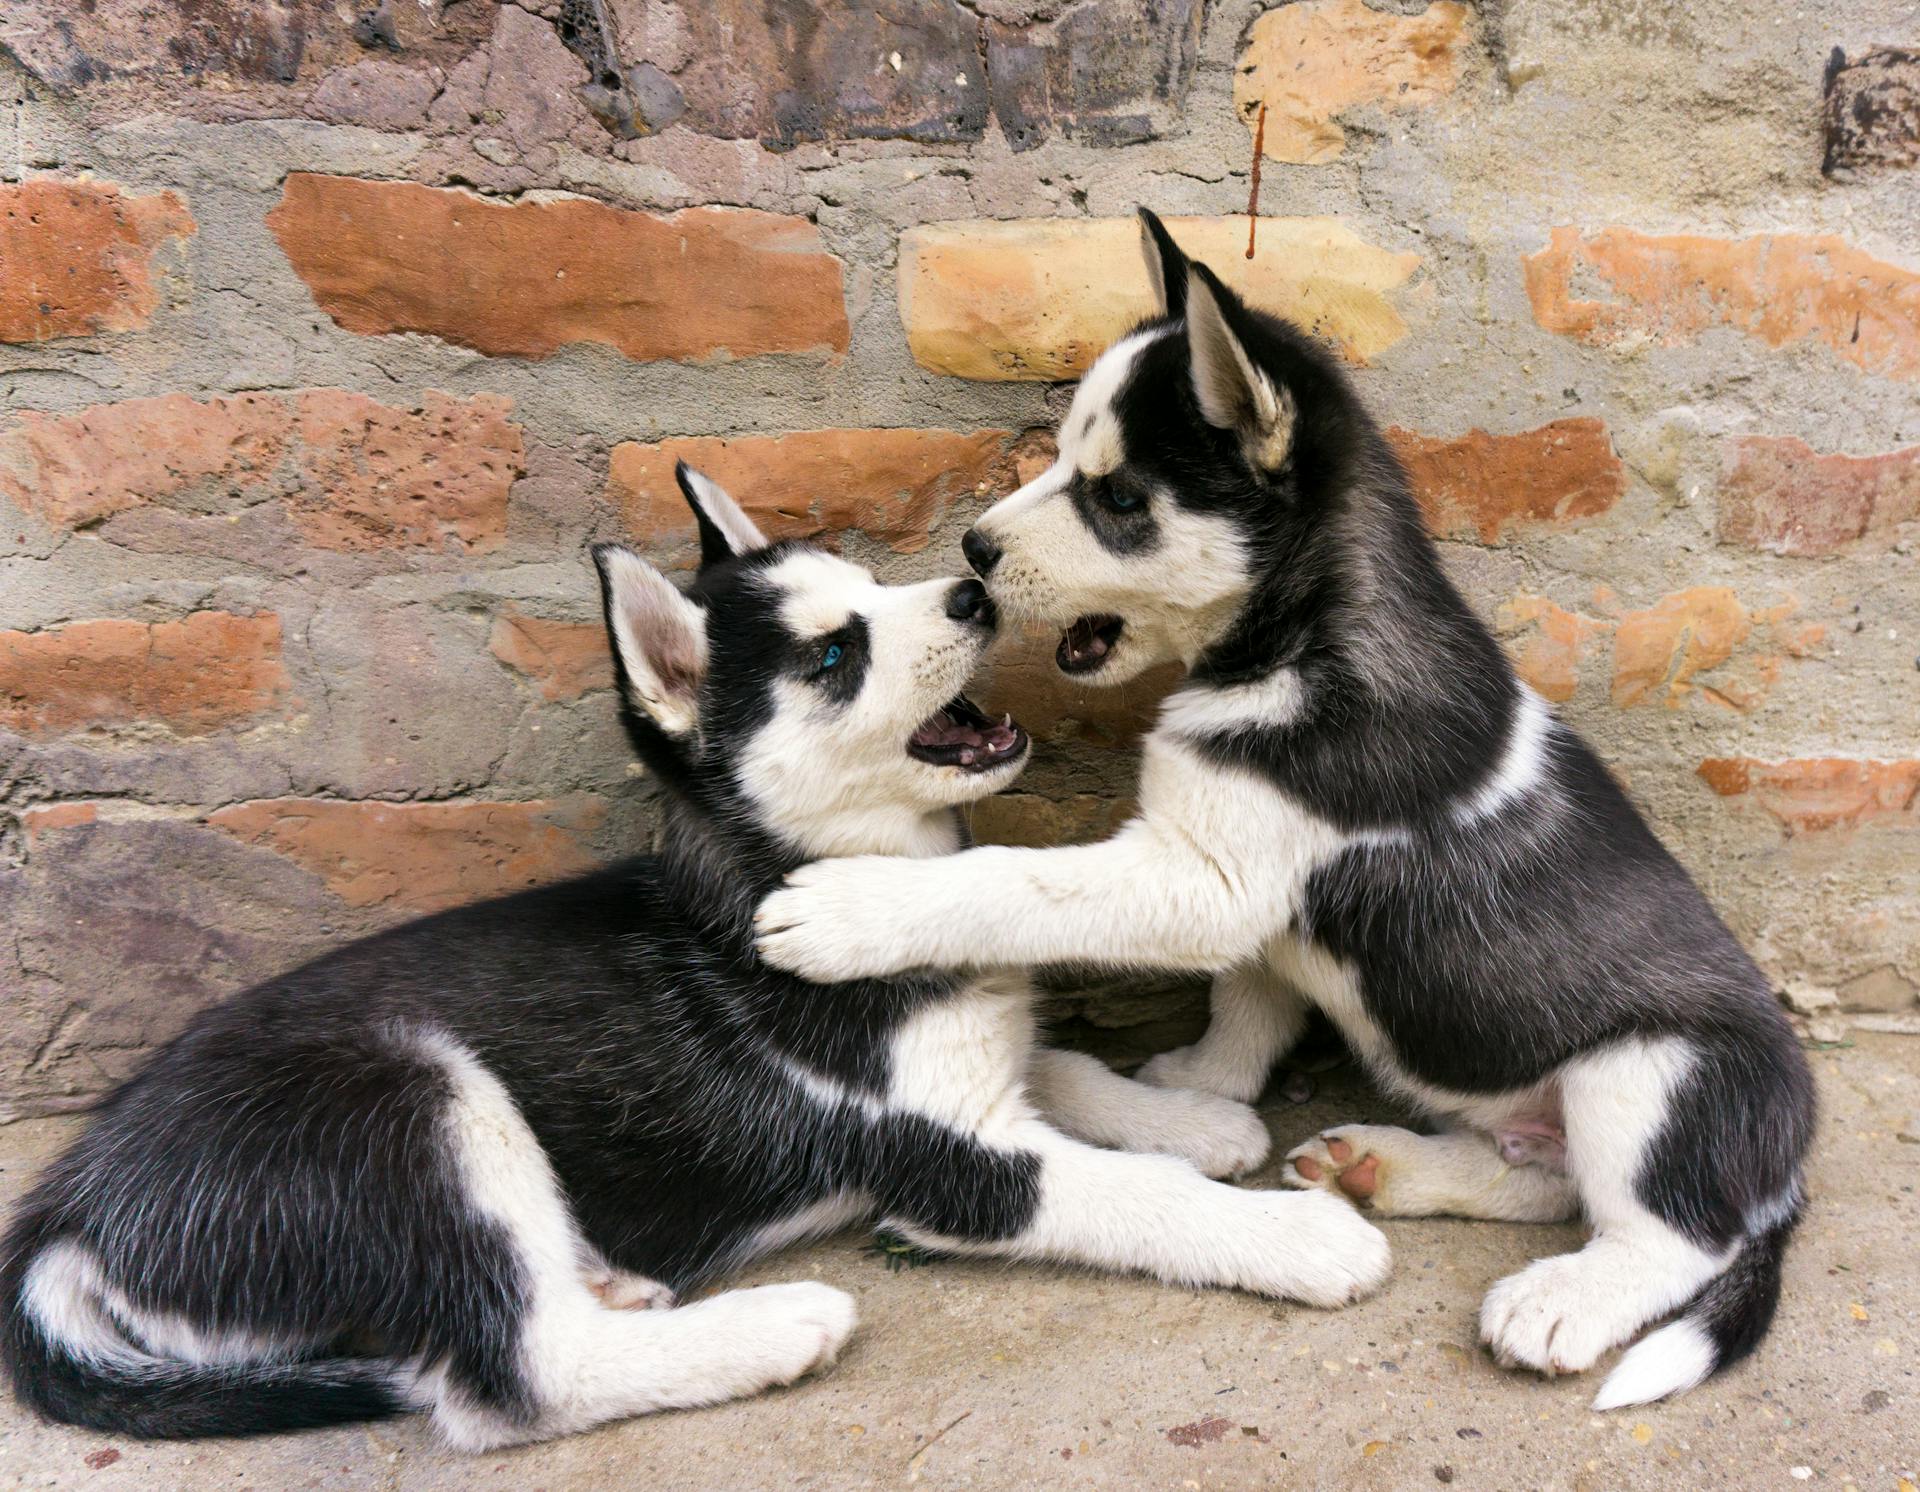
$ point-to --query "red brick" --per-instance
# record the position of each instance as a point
(1780, 288)
(892, 485)
(356, 474)
(421, 856)
(1779, 494)
(1811, 794)
(195, 675)
(38, 821)
(1477, 486)
(78, 257)
(566, 659)
(1021, 679)
(524, 279)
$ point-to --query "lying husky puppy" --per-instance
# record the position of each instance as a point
(433, 1169)
(1352, 802)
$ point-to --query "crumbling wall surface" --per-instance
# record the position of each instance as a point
(331, 331)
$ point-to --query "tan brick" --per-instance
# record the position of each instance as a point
(421, 856)
(1810, 794)
(566, 659)
(1548, 644)
(1311, 62)
(195, 675)
(78, 257)
(1778, 494)
(1780, 288)
(1702, 641)
(356, 474)
(524, 279)
(1042, 298)
(1476, 486)
(1660, 653)
(892, 485)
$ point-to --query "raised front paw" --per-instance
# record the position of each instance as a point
(837, 919)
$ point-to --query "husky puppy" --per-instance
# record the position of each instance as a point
(1352, 803)
(446, 1167)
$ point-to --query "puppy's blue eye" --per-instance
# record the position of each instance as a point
(831, 658)
(1123, 500)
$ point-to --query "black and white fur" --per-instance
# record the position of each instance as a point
(468, 1165)
(1352, 803)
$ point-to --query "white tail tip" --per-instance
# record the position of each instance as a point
(1670, 1361)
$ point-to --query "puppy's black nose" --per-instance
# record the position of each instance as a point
(981, 552)
(969, 602)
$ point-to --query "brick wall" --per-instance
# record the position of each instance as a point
(330, 334)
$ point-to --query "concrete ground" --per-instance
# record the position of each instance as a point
(971, 1375)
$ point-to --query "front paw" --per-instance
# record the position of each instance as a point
(1221, 1138)
(835, 920)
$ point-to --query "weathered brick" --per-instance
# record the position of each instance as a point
(420, 857)
(1872, 113)
(566, 659)
(1778, 494)
(1110, 72)
(1548, 644)
(35, 822)
(1312, 61)
(1780, 288)
(1041, 298)
(355, 474)
(224, 58)
(1661, 652)
(1702, 641)
(708, 282)
(80, 257)
(1477, 486)
(207, 670)
(1810, 794)
(892, 485)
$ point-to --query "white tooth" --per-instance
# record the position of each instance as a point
(1007, 721)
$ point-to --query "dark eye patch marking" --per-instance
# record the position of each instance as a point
(1117, 509)
(838, 675)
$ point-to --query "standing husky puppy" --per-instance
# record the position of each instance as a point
(440, 1168)
(1352, 802)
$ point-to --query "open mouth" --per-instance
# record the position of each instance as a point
(960, 736)
(1085, 645)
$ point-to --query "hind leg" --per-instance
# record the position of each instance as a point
(1398, 1173)
(1092, 1102)
(1058, 1199)
(1256, 1018)
(543, 1354)
(1558, 1315)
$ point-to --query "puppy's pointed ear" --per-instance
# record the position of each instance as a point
(1232, 391)
(659, 638)
(725, 529)
(1166, 265)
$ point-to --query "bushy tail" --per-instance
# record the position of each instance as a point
(1718, 1327)
(71, 1361)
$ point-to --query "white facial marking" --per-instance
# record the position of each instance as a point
(834, 775)
(1176, 596)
